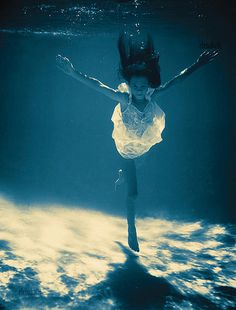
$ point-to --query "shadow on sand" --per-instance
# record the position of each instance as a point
(132, 287)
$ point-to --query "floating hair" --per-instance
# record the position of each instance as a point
(139, 60)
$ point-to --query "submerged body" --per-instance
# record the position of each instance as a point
(135, 131)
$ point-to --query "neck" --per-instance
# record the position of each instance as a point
(139, 101)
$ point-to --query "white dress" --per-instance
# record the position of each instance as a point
(135, 132)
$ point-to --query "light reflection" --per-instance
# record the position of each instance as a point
(69, 251)
(199, 286)
(215, 230)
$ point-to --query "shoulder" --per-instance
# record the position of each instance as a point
(157, 110)
(157, 93)
(124, 101)
(123, 90)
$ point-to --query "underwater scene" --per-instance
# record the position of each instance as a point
(117, 155)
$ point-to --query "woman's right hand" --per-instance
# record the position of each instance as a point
(207, 56)
(65, 65)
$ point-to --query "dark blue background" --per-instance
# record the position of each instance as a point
(55, 133)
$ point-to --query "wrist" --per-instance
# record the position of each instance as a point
(199, 63)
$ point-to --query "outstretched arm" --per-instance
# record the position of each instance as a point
(203, 59)
(66, 66)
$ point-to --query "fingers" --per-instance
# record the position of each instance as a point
(204, 53)
(62, 63)
(209, 53)
(61, 66)
(215, 53)
(208, 56)
(212, 55)
(61, 59)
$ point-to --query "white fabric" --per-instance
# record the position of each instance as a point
(135, 132)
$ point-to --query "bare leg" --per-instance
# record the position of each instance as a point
(129, 170)
(132, 235)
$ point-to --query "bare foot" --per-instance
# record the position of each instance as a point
(120, 180)
(132, 238)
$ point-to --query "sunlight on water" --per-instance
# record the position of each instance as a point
(42, 32)
(65, 254)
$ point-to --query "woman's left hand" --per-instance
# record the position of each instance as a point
(207, 56)
(65, 65)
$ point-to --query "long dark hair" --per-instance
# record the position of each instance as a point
(137, 59)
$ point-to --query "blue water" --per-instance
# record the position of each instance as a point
(56, 149)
